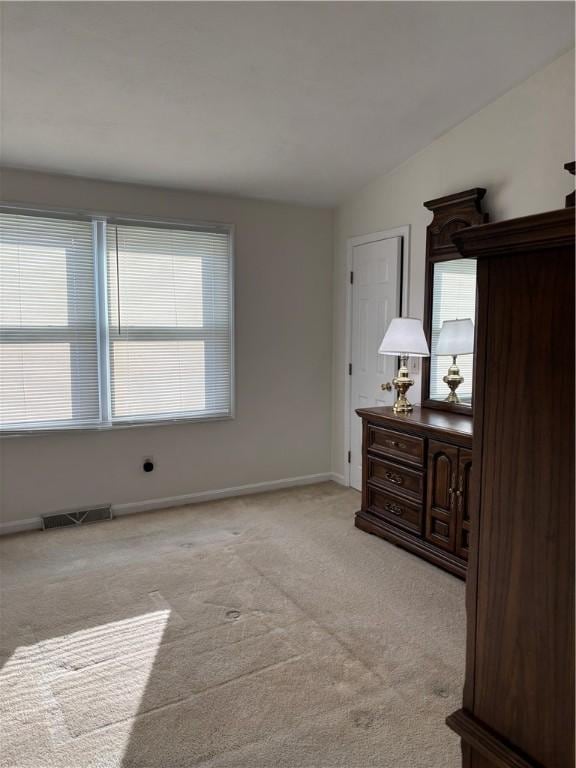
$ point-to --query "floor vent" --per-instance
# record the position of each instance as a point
(77, 517)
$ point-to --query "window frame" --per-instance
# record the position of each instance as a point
(99, 220)
(439, 395)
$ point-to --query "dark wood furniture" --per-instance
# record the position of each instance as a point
(571, 198)
(452, 213)
(415, 480)
(518, 707)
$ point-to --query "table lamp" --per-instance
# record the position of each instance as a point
(456, 338)
(404, 338)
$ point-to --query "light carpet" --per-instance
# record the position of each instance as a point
(257, 632)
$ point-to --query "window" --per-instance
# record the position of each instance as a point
(48, 350)
(107, 322)
(453, 298)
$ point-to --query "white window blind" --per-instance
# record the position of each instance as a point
(454, 297)
(169, 321)
(48, 339)
(107, 322)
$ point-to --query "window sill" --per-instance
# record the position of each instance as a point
(87, 429)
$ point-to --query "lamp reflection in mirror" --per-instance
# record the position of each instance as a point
(456, 338)
(404, 338)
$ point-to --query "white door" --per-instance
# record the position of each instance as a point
(377, 271)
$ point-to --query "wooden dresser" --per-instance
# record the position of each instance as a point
(518, 708)
(415, 481)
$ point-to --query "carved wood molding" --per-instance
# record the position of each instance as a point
(451, 214)
(554, 229)
(487, 742)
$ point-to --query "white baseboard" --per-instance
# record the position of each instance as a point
(223, 493)
(33, 523)
(17, 526)
(340, 479)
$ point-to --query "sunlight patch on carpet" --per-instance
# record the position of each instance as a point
(66, 686)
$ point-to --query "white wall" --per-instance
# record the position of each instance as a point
(283, 364)
(287, 311)
(515, 147)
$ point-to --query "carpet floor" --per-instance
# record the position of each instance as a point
(256, 632)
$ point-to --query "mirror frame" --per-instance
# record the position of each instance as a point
(451, 214)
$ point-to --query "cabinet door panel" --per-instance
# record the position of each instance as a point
(462, 503)
(443, 465)
(442, 479)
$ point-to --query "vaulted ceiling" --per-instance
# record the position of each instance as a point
(304, 101)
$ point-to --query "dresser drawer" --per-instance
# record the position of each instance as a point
(393, 476)
(395, 444)
(395, 509)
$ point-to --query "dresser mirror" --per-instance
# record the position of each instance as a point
(450, 304)
(453, 299)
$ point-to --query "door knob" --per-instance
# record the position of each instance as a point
(387, 387)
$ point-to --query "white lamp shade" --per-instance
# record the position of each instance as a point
(405, 336)
(456, 338)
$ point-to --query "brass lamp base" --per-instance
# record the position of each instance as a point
(402, 383)
(453, 379)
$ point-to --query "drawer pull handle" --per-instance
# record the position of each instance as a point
(393, 478)
(394, 508)
(395, 444)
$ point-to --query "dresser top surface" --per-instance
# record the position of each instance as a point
(421, 418)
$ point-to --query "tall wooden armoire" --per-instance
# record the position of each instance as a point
(518, 707)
